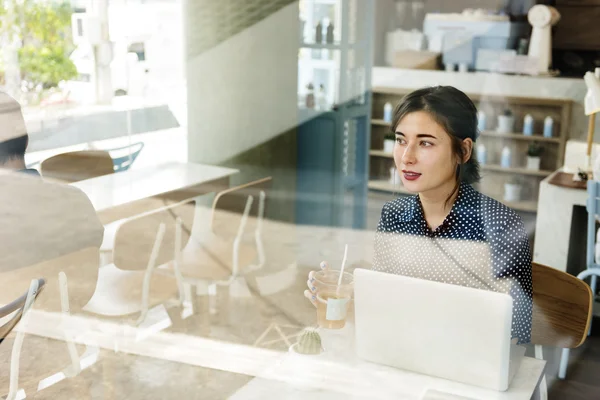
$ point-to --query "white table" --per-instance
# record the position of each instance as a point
(339, 374)
(110, 194)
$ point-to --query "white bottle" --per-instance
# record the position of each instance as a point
(528, 125)
(481, 122)
(548, 126)
(506, 158)
(481, 154)
(321, 98)
(387, 112)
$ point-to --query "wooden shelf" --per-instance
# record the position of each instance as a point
(519, 136)
(319, 46)
(484, 167)
(475, 97)
(381, 153)
(516, 136)
(523, 171)
(528, 206)
(379, 122)
(385, 186)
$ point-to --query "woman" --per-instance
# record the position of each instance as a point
(438, 234)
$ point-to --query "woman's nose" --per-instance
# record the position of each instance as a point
(408, 157)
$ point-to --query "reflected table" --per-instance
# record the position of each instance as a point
(134, 191)
(338, 374)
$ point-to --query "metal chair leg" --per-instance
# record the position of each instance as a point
(593, 287)
(564, 362)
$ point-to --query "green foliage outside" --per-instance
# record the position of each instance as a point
(44, 31)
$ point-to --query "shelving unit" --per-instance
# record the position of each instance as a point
(520, 171)
(493, 175)
(333, 141)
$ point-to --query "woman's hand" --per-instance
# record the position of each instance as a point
(311, 293)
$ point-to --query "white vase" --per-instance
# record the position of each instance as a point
(388, 145)
(512, 192)
(533, 163)
(505, 124)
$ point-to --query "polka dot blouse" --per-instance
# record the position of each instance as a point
(481, 244)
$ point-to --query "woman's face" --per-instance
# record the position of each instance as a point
(423, 154)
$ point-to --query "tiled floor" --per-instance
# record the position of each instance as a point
(583, 374)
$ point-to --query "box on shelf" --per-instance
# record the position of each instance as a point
(414, 59)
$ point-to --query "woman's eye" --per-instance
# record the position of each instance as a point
(400, 140)
(426, 144)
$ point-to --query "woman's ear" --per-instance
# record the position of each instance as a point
(467, 146)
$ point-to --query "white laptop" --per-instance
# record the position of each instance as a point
(447, 331)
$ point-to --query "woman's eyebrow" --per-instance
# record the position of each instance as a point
(420, 135)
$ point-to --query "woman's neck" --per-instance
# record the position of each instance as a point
(436, 205)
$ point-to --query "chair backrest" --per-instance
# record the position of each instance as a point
(593, 209)
(562, 308)
(77, 166)
(123, 157)
(233, 200)
(19, 306)
(136, 237)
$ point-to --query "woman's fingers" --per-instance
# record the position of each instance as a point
(311, 296)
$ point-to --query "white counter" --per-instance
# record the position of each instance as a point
(553, 224)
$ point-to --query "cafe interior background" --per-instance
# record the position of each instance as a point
(300, 92)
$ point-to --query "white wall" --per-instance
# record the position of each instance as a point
(242, 92)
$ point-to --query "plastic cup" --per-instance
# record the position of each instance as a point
(333, 300)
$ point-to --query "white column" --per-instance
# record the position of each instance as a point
(102, 53)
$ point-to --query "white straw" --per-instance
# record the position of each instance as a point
(343, 265)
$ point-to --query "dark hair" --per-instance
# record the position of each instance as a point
(13, 148)
(456, 113)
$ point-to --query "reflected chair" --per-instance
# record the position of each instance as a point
(232, 244)
(70, 282)
(562, 309)
(123, 157)
(144, 246)
(17, 311)
(77, 165)
(219, 252)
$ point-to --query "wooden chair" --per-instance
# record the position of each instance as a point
(562, 310)
(77, 165)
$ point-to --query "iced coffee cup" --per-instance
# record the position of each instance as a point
(333, 300)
